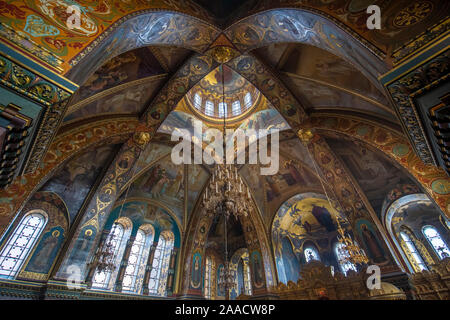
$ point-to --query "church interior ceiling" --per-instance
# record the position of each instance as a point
(140, 71)
(375, 174)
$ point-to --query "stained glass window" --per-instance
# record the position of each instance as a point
(247, 278)
(248, 100)
(223, 109)
(436, 241)
(19, 245)
(342, 255)
(236, 108)
(134, 262)
(414, 254)
(311, 254)
(115, 237)
(197, 101)
(209, 108)
(160, 265)
(208, 270)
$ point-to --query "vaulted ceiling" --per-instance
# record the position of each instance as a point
(295, 63)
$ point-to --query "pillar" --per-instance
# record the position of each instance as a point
(148, 268)
(171, 271)
(123, 264)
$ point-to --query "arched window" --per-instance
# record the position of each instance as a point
(436, 241)
(222, 109)
(208, 273)
(135, 260)
(413, 252)
(342, 255)
(19, 245)
(247, 278)
(160, 266)
(236, 108)
(311, 254)
(115, 238)
(197, 101)
(248, 100)
(209, 108)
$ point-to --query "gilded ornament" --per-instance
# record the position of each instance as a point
(222, 54)
(305, 135)
(19, 77)
(413, 14)
(142, 138)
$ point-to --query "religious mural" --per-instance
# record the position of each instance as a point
(74, 181)
(196, 271)
(127, 67)
(371, 242)
(40, 261)
(304, 218)
(163, 182)
(321, 96)
(293, 176)
(129, 99)
(375, 174)
(196, 179)
(257, 269)
(152, 153)
(319, 66)
(305, 63)
(269, 119)
(289, 263)
(46, 251)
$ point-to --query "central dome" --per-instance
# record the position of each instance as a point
(206, 99)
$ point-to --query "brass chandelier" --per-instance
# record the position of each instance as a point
(226, 195)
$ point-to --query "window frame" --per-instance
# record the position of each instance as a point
(431, 244)
(163, 263)
(411, 243)
(312, 248)
(340, 261)
(109, 274)
(29, 248)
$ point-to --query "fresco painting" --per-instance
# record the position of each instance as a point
(143, 212)
(196, 179)
(163, 182)
(304, 219)
(131, 100)
(324, 66)
(372, 244)
(129, 66)
(375, 174)
(151, 153)
(74, 181)
(269, 119)
(289, 261)
(257, 269)
(44, 256)
(196, 272)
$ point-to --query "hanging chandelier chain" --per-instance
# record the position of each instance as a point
(104, 258)
(350, 251)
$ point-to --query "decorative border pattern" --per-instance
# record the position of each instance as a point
(433, 180)
(62, 148)
(421, 40)
(417, 81)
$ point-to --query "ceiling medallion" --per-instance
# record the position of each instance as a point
(141, 138)
(222, 54)
(305, 135)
